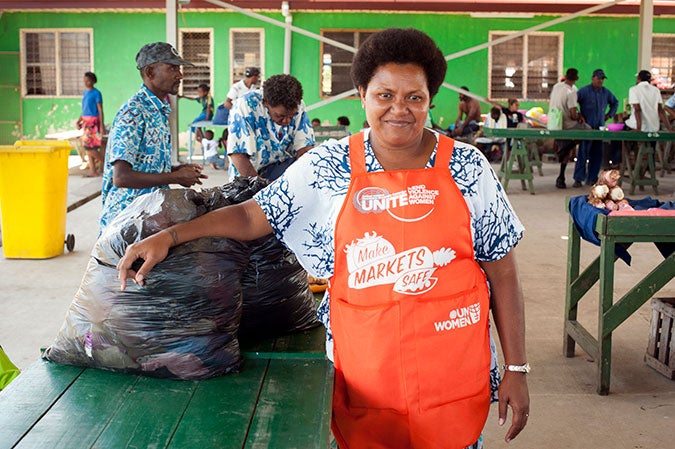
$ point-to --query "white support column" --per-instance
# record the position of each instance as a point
(288, 33)
(644, 61)
(172, 38)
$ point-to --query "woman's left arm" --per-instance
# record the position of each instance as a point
(508, 311)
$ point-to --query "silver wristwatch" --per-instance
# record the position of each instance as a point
(517, 368)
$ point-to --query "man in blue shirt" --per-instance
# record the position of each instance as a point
(593, 101)
(138, 155)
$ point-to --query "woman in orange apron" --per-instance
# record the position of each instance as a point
(409, 227)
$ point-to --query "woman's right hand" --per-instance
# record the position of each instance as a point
(152, 250)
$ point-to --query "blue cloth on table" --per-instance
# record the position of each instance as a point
(584, 216)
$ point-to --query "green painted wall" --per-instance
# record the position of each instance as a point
(589, 43)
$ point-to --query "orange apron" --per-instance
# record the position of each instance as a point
(408, 310)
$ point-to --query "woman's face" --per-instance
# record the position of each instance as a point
(397, 103)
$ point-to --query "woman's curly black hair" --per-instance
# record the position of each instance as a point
(400, 46)
(282, 90)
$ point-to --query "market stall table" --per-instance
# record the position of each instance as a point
(633, 173)
(611, 230)
(281, 399)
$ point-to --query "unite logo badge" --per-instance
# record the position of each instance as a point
(373, 260)
(412, 204)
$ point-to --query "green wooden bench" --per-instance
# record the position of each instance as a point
(611, 230)
(281, 399)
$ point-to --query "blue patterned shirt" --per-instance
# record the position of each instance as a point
(139, 135)
(253, 132)
(303, 204)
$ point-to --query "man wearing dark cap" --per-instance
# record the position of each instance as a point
(138, 155)
(564, 98)
(646, 105)
(593, 101)
(243, 86)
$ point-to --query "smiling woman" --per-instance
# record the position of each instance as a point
(409, 227)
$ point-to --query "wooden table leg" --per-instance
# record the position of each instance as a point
(571, 304)
(606, 300)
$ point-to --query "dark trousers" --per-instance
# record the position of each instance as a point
(589, 161)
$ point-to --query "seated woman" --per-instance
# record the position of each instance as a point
(492, 147)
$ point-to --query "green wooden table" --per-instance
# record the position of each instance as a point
(611, 230)
(281, 399)
(633, 173)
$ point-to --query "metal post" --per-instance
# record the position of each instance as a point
(172, 38)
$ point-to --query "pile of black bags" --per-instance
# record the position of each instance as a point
(186, 322)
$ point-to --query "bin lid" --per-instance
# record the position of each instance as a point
(42, 143)
(10, 149)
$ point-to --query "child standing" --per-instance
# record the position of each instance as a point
(210, 149)
(205, 99)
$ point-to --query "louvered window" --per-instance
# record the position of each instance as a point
(525, 67)
(195, 46)
(246, 49)
(54, 61)
(336, 62)
(663, 62)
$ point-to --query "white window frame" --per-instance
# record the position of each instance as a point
(57, 58)
(210, 64)
(524, 93)
(261, 46)
(670, 89)
(351, 31)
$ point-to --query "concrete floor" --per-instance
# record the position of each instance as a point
(639, 412)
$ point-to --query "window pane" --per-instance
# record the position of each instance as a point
(75, 61)
(40, 76)
(245, 52)
(663, 62)
(339, 54)
(542, 66)
(507, 68)
(40, 48)
(41, 80)
(196, 48)
(336, 62)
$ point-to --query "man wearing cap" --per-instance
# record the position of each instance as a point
(243, 86)
(646, 105)
(564, 98)
(593, 101)
(138, 155)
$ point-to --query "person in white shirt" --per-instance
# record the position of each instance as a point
(495, 119)
(646, 105)
(243, 86)
(564, 98)
(210, 149)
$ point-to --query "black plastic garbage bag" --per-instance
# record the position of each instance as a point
(276, 295)
(182, 324)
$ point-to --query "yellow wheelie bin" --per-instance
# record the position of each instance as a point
(33, 191)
